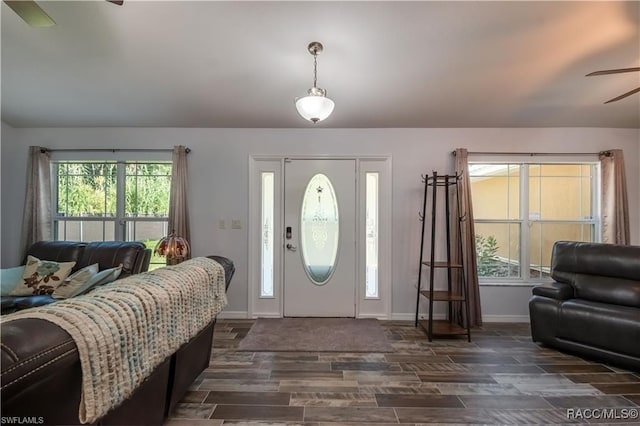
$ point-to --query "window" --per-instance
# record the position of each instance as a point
(521, 209)
(266, 236)
(372, 231)
(98, 201)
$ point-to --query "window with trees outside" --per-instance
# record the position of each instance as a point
(100, 201)
(521, 209)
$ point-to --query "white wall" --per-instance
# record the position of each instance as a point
(218, 173)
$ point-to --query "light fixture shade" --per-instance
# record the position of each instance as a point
(314, 107)
(174, 247)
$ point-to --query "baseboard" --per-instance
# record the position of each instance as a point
(375, 316)
(412, 317)
(505, 318)
(266, 315)
(232, 315)
(394, 316)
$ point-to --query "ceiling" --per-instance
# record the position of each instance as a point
(385, 64)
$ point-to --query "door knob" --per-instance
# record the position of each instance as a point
(291, 247)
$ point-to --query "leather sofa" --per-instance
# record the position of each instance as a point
(42, 376)
(134, 257)
(593, 306)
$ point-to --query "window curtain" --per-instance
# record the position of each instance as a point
(615, 204)
(466, 234)
(36, 222)
(178, 205)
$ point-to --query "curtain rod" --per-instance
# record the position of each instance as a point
(187, 150)
(535, 154)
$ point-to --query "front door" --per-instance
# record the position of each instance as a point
(319, 244)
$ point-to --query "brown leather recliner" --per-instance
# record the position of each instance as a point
(593, 307)
(134, 257)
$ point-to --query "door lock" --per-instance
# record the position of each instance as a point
(291, 247)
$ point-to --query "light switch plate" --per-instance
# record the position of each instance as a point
(236, 224)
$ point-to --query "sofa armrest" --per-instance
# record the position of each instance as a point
(555, 290)
(40, 362)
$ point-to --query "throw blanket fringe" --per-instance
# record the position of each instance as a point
(124, 330)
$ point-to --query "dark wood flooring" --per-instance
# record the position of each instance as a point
(501, 377)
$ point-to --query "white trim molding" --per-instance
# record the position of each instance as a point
(273, 307)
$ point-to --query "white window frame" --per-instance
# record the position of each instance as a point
(120, 159)
(525, 222)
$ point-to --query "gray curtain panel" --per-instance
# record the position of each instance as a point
(36, 222)
(464, 209)
(178, 205)
(615, 204)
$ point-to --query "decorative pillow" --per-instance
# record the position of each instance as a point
(10, 278)
(103, 277)
(76, 283)
(41, 276)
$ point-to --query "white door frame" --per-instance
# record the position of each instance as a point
(273, 306)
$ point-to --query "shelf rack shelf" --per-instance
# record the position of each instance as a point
(442, 328)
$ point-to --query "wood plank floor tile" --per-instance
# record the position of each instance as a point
(603, 378)
(604, 401)
(258, 412)
(352, 357)
(446, 377)
(192, 411)
(296, 365)
(197, 397)
(248, 398)
(366, 415)
(549, 379)
(284, 356)
(364, 366)
(311, 375)
(576, 368)
(477, 389)
(501, 377)
(634, 398)
(442, 401)
(231, 385)
(556, 389)
(484, 358)
(505, 402)
(236, 374)
(405, 388)
(380, 376)
(618, 388)
(332, 399)
(445, 415)
(318, 386)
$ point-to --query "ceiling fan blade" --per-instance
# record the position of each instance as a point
(31, 13)
(617, 71)
(118, 2)
(629, 93)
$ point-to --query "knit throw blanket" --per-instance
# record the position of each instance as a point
(127, 328)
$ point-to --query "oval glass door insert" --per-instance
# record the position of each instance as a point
(319, 229)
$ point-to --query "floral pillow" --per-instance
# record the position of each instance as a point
(42, 277)
(85, 280)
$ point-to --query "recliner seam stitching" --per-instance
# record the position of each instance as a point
(36, 369)
(10, 351)
(40, 355)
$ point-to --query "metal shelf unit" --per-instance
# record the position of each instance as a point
(448, 184)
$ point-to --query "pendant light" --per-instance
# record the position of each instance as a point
(315, 106)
